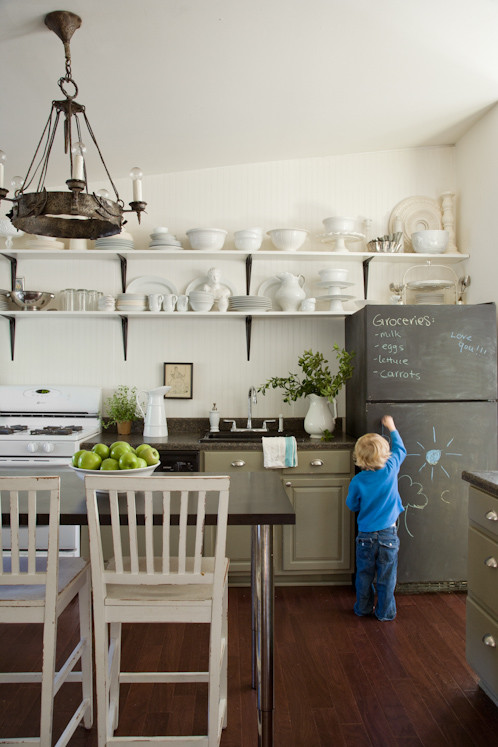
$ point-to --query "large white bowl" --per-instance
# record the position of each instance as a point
(288, 239)
(247, 241)
(339, 224)
(140, 472)
(207, 238)
(201, 304)
(432, 241)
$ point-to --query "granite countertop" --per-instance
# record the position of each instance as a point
(487, 481)
(185, 434)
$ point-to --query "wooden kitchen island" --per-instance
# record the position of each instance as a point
(257, 499)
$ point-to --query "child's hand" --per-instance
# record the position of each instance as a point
(388, 422)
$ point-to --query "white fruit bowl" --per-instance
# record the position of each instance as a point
(432, 241)
(140, 472)
(288, 239)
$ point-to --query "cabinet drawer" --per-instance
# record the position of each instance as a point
(483, 569)
(233, 461)
(482, 658)
(326, 462)
(483, 510)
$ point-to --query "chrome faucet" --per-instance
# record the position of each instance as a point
(251, 400)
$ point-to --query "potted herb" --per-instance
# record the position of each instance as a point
(121, 409)
(318, 384)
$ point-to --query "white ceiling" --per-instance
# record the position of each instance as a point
(175, 85)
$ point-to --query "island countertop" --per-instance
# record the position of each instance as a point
(487, 481)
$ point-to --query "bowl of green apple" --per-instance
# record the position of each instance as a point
(120, 458)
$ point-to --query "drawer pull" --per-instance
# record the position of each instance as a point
(492, 516)
(238, 463)
(491, 562)
(288, 484)
(316, 463)
(488, 640)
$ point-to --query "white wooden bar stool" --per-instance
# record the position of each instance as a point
(37, 590)
(158, 584)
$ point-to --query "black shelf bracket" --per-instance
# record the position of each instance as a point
(13, 270)
(124, 331)
(124, 266)
(248, 273)
(366, 268)
(248, 336)
(12, 330)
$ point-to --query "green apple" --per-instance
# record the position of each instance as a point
(150, 455)
(141, 448)
(109, 464)
(89, 460)
(120, 443)
(142, 462)
(128, 461)
(118, 450)
(76, 456)
(102, 450)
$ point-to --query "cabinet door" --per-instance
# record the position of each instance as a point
(321, 537)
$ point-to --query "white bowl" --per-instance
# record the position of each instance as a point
(201, 305)
(140, 472)
(287, 239)
(160, 229)
(432, 241)
(340, 225)
(247, 240)
(207, 238)
(334, 274)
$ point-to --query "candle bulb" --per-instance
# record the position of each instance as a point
(136, 176)
(78, 150)
(2, 170)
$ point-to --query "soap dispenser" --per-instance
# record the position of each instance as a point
(214, 419)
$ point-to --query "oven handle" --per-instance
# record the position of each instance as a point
(33, 462)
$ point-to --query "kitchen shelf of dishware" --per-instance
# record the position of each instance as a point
(53, 313)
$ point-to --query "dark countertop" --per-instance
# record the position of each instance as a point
(185, 434)
(487, 481)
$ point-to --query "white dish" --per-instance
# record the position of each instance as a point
(416, 214)
(204, 280)
(207, 239)
(151, 284)
(334, 235)
(430, 285)
(341, 224)
(140, 472)
(288, 239)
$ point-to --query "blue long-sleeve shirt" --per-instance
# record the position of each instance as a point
(374, 493)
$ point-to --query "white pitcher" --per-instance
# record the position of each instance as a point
(291, 293)
(155, 424)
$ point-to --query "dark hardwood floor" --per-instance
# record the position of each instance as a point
(339, 679)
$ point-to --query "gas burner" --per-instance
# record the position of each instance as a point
(55, 430)
(8, 430)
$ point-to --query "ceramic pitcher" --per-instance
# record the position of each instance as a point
(290, 293)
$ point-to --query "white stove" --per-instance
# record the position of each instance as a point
(46, 424)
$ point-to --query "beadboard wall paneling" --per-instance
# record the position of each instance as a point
(271, 195)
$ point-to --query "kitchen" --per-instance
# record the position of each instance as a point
(272, 191)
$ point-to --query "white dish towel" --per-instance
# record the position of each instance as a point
(279, 451)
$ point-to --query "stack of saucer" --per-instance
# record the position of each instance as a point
(162, 239)
(131, 302)
(120, 241)
(249, 303)
(44, 242)
(106, 303)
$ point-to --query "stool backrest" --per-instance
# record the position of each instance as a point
(174, 503)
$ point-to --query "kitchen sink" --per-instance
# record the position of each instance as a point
(228, 436)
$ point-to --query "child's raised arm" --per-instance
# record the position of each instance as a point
(388, 422)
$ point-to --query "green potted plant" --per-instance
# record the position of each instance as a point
(122, 409)
(317, 384)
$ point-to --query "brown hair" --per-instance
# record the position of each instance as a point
(371, 451)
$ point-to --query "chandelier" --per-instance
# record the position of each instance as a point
(76, 213)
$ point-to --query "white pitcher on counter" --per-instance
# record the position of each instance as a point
(290, 293)
(155, 424)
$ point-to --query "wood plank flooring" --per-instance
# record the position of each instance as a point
(339, 679)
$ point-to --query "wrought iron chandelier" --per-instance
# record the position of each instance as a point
(75, 213)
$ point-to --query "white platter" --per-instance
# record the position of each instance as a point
(151, 284)
(416, 213)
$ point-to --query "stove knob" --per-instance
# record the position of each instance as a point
(32, 447)
(47, 447)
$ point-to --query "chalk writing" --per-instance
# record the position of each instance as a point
(402, 321)
(466, 344)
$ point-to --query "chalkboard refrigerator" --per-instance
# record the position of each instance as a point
(433, 368)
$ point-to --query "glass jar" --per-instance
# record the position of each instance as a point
(68, 299)
(81, 299)
(92, 300)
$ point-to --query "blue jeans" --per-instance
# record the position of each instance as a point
(376, 552)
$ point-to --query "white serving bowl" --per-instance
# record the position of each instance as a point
(339, 224)
(334, 274)
(201, 305)
(432, 241)
(207, 238)
(140, 472)
(247, 240)
(288, 239)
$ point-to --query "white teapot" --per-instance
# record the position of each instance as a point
(291, 293)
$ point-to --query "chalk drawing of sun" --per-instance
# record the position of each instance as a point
(434, 455)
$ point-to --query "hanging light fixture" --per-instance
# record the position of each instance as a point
(75, 213)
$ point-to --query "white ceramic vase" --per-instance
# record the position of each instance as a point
(290, 293)
(319, 418)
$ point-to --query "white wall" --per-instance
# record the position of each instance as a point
(477, 173)
(295, 193)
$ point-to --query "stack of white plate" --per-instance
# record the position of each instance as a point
(131, 302)
(123, 240)
(160, 238)
(429, 298)
(249, 303)
(44, 242)
(4, 301)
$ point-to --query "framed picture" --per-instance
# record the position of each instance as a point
(179, 377)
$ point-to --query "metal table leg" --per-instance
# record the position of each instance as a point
(262, 566)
